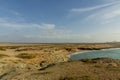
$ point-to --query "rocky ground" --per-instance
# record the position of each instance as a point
(49, 62)
(94, 69)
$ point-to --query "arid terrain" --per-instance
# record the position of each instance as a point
(49, 62)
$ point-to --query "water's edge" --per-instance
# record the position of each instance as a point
(82, 52)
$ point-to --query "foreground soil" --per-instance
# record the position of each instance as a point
(87, 69)
(49, 62)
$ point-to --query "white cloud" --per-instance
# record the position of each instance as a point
(47, 26)
(5, 23)
(105, 15)
(10, 11)
(94, 7)
(54, 33)
(28, 36)
(32, 31)
(3, 20)
(15, 13)
(113, 14)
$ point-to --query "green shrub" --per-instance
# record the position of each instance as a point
(13, 47)
(88, 78)
(26, 56)
(2, 49)
(79, 78)
(88, 60)
(3, 55)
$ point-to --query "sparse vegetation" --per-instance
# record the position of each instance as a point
(3, 55)
(26, 56)
(88, 78)
(2, 49)
(13, 47)
(88, 61)
(78, 78)
(43, 62)
(42, 73)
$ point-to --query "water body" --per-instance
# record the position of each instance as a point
(109, 53)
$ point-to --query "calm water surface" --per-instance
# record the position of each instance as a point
(110, 53)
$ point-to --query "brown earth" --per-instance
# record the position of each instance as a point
(94, 69)
(36, 61)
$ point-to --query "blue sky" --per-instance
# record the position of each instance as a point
(59, 21)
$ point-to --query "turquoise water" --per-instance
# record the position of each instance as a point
(110, 53)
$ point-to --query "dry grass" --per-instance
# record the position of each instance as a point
(2, 49)
(3, 55)
(26, 56)
(79, 78)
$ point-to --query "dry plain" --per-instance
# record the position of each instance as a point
(49, 62)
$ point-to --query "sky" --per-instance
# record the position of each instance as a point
(59, 21)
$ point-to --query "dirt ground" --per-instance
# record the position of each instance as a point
(49, 62)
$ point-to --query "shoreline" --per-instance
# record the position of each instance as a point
(110, 49)
(82, 52)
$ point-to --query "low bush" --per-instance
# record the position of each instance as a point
(2, 49)
(2, 55)
(88, 60)
(26, 56)
(78, 78)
